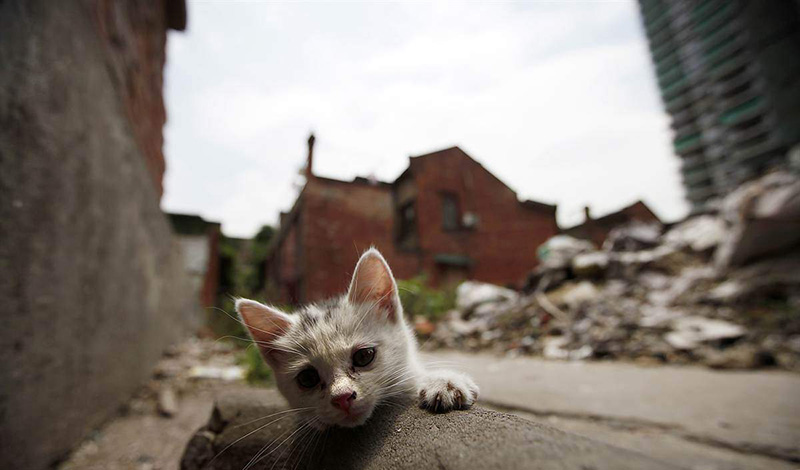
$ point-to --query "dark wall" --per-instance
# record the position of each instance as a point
(92, 286)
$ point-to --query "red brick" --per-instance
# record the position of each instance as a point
(333, 222)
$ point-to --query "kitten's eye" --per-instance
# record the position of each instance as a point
(363, 357)
(308, 378)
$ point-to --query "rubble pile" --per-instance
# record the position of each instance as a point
(722, 290)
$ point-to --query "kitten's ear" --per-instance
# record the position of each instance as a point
(266, 324)
(373, 283)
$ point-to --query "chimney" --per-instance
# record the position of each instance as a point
(310, 162)
(587, 213)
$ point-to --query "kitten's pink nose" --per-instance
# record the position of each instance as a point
(343, 400)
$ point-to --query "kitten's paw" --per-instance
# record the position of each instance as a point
(442, 391)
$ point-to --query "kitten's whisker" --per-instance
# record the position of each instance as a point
(294, 410)
(317, 438)
(396, 377)
(308, 436)
(393, 374)
(246, 435)
(387, 402)
(401, 382)
(304, 440)
(258, 458)
(266, 447)
(238, 320)
(325, 441)
(265, 343)
(246, 340)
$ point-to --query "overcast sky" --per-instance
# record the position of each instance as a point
(558, 99)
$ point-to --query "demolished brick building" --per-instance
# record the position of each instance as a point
(445, 216)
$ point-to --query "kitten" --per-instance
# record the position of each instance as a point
(342, 358)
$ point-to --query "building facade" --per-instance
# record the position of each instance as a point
(729, 75)
(446, 217)
(199, 241)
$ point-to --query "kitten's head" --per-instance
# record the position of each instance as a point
(339, 359)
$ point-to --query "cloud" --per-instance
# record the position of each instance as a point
(557, 99)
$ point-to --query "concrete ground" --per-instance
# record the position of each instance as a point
(695, 417)
(143, 441)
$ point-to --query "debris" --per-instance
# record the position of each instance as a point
(770, 277)
(559, 251)
(227, 373)
(554, 348)
(656, 316)
(423, 326)
(590, 264)
(761, 217)
(746, 356)
(689, 332)
(470, 295)
(548, 306)
(652, 297)
(167, 403)
(635, 236)
(699, 234)
(577, 294)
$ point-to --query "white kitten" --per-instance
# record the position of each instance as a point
(341, 358)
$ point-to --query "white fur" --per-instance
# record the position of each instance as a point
(326, 335)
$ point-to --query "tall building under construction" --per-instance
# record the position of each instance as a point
(729, 74)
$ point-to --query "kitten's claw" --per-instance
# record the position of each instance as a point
(442, 391)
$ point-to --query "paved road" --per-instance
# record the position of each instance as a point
(751, 412)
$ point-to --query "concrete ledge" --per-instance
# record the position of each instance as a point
(394, 438)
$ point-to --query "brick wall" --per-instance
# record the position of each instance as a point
(339, 222)
(134, 34)
(503, 243)
(333, 222)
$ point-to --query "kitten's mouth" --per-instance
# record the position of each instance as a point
(354, 418)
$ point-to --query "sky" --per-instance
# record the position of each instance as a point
(557, 99)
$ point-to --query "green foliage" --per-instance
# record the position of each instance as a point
(420, 299)
(261, 243)
(241, 275)
(252, 274)
(256, 370)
